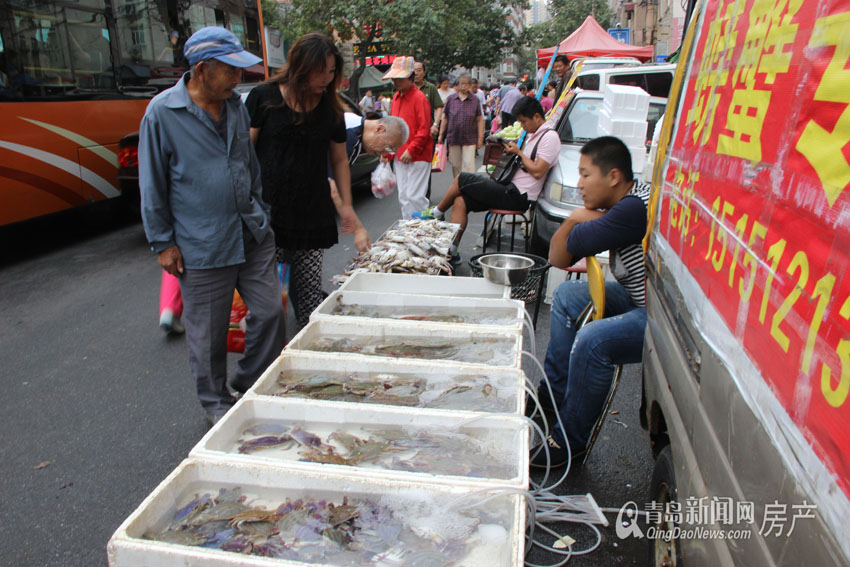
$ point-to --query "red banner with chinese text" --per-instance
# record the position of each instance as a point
(757, 199)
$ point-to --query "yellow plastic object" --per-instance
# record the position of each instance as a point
(596, 285)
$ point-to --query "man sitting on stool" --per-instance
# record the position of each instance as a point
(473, 193)
(580, 365)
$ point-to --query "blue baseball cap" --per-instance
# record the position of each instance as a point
(218, 43)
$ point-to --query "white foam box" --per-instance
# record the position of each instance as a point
(508, 384)
(625, 102)
(425, 285)
(638, 159)
(631, 132)
(500, 440)
(490, 348)
(426, 508)
(503, 314)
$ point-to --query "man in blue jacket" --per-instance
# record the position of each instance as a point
(580, 364)
(205, 218)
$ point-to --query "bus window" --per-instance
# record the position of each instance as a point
(658, 84)
(589, 82)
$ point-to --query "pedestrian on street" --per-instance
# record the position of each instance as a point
(367, 103)
(547, 101)
(508, 103)
(297, 126)
(205, 217)
(444, 88)
(462, 127)
(412, 162)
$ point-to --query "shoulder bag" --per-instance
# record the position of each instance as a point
(508, 164)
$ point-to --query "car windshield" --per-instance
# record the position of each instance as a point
(582, 122)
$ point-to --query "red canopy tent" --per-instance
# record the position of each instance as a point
(590, 40)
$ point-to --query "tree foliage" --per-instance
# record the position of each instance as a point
(567, 16)
(443, 33)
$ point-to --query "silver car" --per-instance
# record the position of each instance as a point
(578, 124)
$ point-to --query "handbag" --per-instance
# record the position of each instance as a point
(508, 164)
(438, 163)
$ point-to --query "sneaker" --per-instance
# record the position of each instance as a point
(558, 455)
(427, 214)
(170, 323)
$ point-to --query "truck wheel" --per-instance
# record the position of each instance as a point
(664, 552)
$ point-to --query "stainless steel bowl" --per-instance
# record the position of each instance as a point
(505, 269)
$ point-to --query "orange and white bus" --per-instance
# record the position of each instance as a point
(75, 78)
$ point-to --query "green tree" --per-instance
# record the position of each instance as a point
(443, 33)
(567, 16)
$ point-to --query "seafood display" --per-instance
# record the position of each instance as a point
(479, 453)
(465, 392)
(469, 315)
(494, 351)
(353, 531)
(412, 246)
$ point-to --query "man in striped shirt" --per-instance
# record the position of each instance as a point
(580, 365)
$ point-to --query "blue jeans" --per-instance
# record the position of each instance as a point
(580, 365)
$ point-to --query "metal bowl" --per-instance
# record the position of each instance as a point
(505, 269)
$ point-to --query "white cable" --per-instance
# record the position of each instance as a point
(528, 324)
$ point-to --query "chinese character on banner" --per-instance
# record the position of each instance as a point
(721, 510)
(803, 511)
(769, 32)
(713, 72)
(823, 147)
(775, 516)
(696, 510)
(674, 512)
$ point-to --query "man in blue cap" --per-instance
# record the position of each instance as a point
(204, 215)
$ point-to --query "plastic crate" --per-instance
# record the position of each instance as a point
(427, 508)
(502, 440)
(507, 383)
(530, 289)
(424, 285)
(505, 314)
(492, 348)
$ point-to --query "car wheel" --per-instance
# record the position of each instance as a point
(664, 552)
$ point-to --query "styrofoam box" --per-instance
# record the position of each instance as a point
(508, 383)
(425, 285)
(631, 132)
(268, 487)
(506, 346)
(625, 102)
(638, 159)
(502, 309)
(501, 439)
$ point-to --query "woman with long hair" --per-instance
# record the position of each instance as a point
(297, 125)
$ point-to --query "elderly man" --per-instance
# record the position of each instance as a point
(204, 215)
(413, 159)
(462, 127)
(375, 136)
(472, 193)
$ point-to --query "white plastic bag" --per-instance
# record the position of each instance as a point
(383, 180)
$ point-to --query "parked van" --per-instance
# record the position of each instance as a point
(746, 365)
(654, 79)
(602, 62)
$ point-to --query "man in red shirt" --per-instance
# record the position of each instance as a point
(412, 162)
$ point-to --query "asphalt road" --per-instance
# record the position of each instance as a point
(98, 406)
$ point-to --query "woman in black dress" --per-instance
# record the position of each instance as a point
(297, 125)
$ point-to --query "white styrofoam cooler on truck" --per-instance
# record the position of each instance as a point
(419, 505)
(502, 440)
(507, 383)
(502, 309)
(631, 132)
(623, 102)
(424, 285)
(504, 348)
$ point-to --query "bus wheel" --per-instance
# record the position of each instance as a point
(664, 551)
